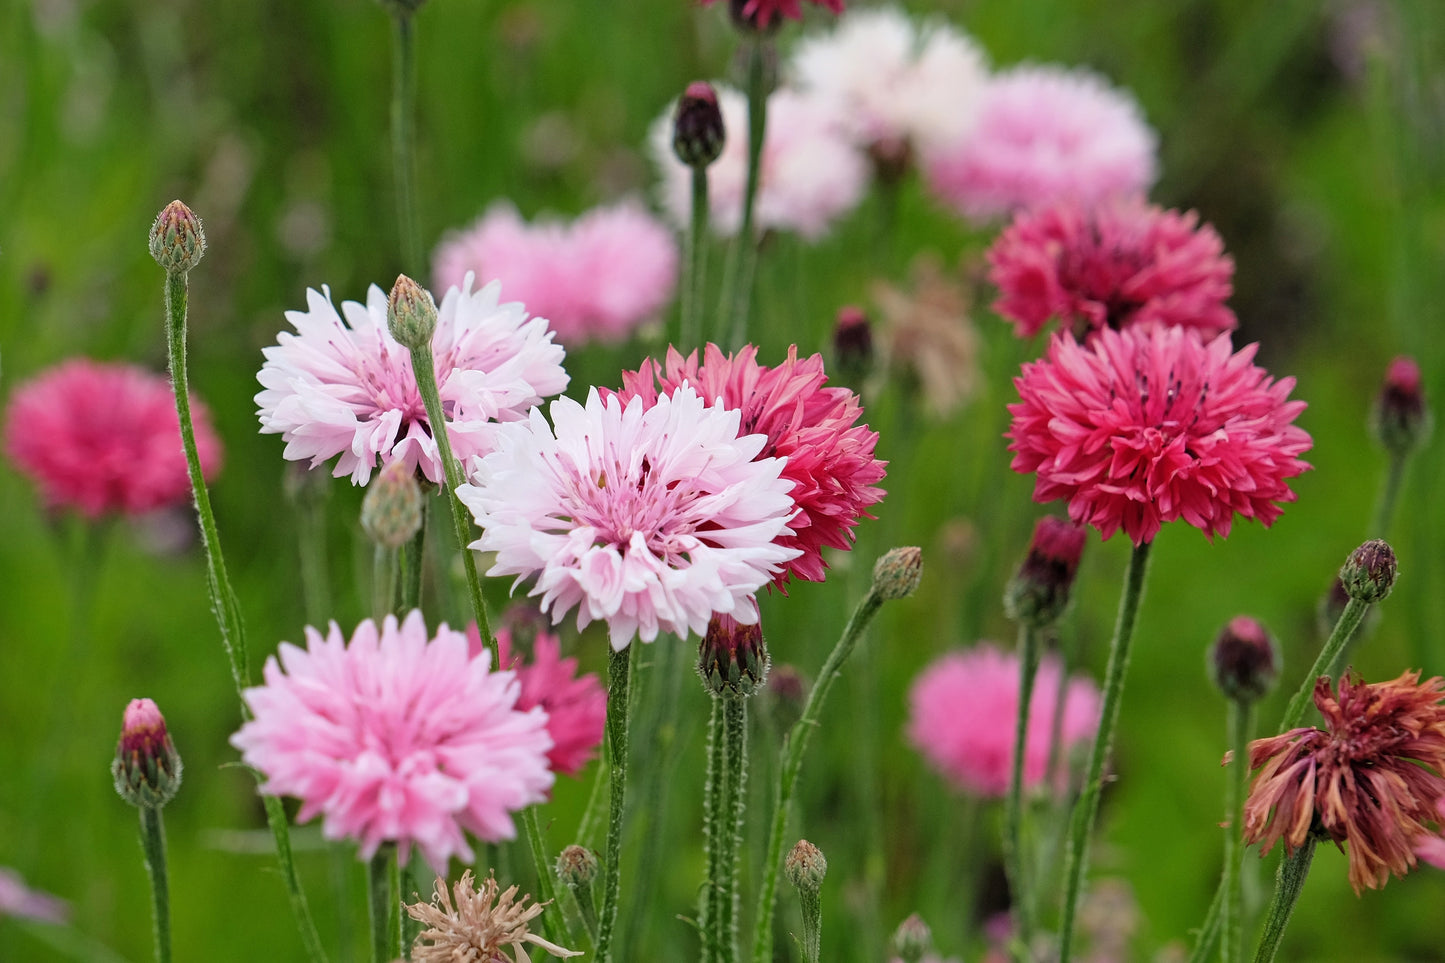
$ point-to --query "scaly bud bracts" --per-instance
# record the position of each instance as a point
(146, 769)
(732, 657)
(1401, 420)
(411, 314)
(177, 241)
(1039, 593)
(897, 573)
(1244, 661)
(697, 126)
(391, 510)
(1369, 573)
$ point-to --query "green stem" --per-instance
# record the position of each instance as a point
(403, 135)
(1240, 722)
(742, 259)
(587, 826)
(694, 283)
(153, 841)
(1389, 495)
(1326, 663)
(385, 586)
(618, 672)
(412, 561)
(1209, 932)
(1293, 869)
(554, 921)
(810, 901)
(1014, 860)
(710, 915)
(1086, 810)
(310, 505)
(383, 885)
(735, 719)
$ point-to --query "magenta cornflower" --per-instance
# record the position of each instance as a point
(829, 456)
(1112, 266)
(1045, 134)
(650, 518)
(397, 738)
(761, 13)
(103, 438)
(595, 279)
(342, 385)
(963, 709)
(1150, 424)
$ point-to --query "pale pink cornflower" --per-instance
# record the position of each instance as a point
(576, 705)
(650, 518)
(397, 738)
(1150, 424)
(810, 175)
(21, 902)
(1114, 265)
(342, 385)
(102, 437)
(594, 279)
(761, 13)
(1045, 134)
(963, 709)
(829, 455)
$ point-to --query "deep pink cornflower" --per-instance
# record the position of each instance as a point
(1111, 266)
(963, 709)
(103, 438)
(576, 705)
(830, 456)
(1146, 425)
(397, 738)
(761, 13)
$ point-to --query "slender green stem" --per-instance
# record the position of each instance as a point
(1086, 810)
(1293, 869)
(735, 719)
(694, 283)
(310, 504)
(587, 908)
(710, 915)
(1209, 932)
(385, 584)
(742, 261)
(383, 885)
(587, 827)
(554, 921)
(618, 672)
(1240, 722)
(413, 560)
(810, 901)
(1389, 495)
(403, 134)
(153, 841)
(1014, 859)
(1326, 663)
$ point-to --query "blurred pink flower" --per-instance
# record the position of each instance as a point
(810, 173)
(595, 279)
(576, 705)
(963, 709)
(829, 456)
(1150, 424)
(1045, 134)
(394, 738)
(762, 12)
(19, 900)
(1119, 264)
(345, 387)
(102, 437)
(649, 518)
(1431, 847)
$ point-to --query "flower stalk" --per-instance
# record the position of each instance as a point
(153, 842)
(403, 133)
(1240, 722)
(1014, 860)
(742, 262)
(1293, 869)
(619, 670)
(383, 886)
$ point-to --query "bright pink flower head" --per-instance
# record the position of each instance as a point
(1115, 265)
(101, 437)
(595, 279)
(963, 709)
(1045, 135)
(345, 387)
(1146, 425)
(761, 13)
(649, 518)
(397, 738)
(830, 456)
(576, 706)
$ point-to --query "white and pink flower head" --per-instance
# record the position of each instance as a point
(343, 386)
(650, 518)
(397, 738)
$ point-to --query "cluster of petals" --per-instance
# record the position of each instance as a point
(1112, 265)
(762, 13)
(830, 458)
(650, 518)
(343, 386)
(1150, 424)
(486, 924)
(964, 707)
(104, 438)
(809, 174)
(595, 279)
(397, 738)
(1374, 778)
(1045, 134)
(893, 82)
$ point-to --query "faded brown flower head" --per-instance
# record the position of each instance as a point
(927, 333)
(1372, 779)
(483, 926)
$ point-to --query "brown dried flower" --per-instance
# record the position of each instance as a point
(926, 332)
(484, 927)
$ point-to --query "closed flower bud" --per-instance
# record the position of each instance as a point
(697, 126)
(912, 939)
(732, 658)
(146, 769)
(805, 866)
(1401, 421)
(786, 696)
(1039, 593)
(177, 241)
(1369, 573)
(576, 866)
(896, 574)
(1244, 660)
(391, 511)
(411, 314)
(852, 345)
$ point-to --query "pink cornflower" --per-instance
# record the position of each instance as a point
(1044, 135)
(1431, 848)
(1115, 265)
(21, 902)
(594, 279)
(1146, 425)
(1373, 778)
(963, 709)
(829, 456)
(345, 387)
(102, 438)
(651, 518)
(761, 13)
(810, 174)
(576, 705)
(395, 738)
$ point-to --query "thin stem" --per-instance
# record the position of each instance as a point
(742, 261)
(1086, 810)
(810, 901)
(1389, 495)
(403, 135)
(710, 915)
(592, 812)
(1014, 861)
(1209, 932)
(383, 885)
(735, 718)
(554, 921)
(412, 561)
(694, 283)
(618, 672)
(310, 505)
(1326, 663)
(1293, 869)
(385, 584)
(1240, 722)
(153, 841)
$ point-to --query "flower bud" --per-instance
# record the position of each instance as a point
(146, 769)
(411, 314)
(786, 697)
(732, 658)
(912, 939)
(576, 866)
(852, 345)
(697, 126)
(806, 866)
(1369, 573)
(391, 510)
(1400, 420)
(896, 574)
(1039, 593)
(1244, 661)
(177, 241)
